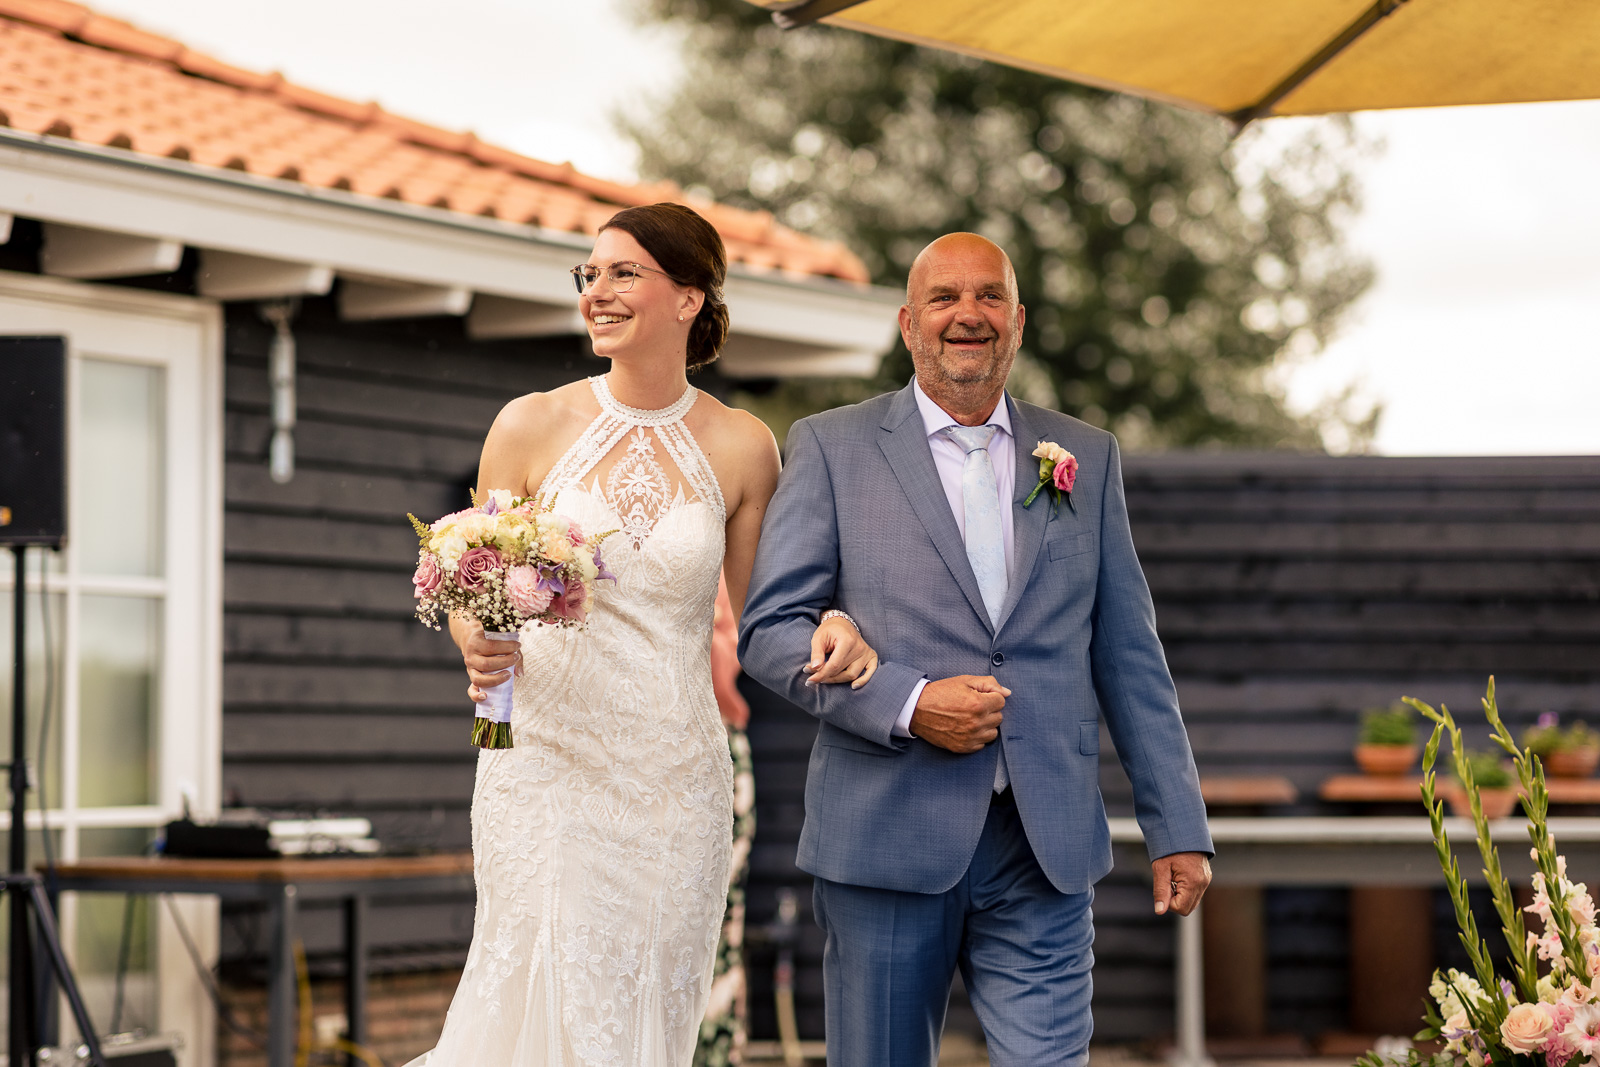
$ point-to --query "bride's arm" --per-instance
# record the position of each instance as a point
(504, 464)
(756, 466)
(838, 651)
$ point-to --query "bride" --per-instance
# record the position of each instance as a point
(601, 840)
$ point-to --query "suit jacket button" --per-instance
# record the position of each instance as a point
(998, 658)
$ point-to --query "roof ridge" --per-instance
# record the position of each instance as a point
(776, 244)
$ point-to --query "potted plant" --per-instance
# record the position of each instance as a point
(1572, 752)
(1388, 745)
(1493, 780)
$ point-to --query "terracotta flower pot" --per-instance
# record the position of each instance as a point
(1386, 761)
(1497, 803)
(1572, 763)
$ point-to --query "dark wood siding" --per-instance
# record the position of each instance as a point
(334, 697)
(1292, 592)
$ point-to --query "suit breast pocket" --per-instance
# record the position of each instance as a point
(1070, 545)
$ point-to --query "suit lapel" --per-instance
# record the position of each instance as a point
(1027, 524)
(905, 446)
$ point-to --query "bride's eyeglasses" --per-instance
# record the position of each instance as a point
(620, 276)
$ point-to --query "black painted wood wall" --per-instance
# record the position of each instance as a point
(1291, 593)
(334, 697)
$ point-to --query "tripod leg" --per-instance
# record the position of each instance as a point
(44, 919)
(22, 1041)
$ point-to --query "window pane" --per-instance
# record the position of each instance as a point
(118, 488)
(118, 704)
(43, 674)
(113, 937)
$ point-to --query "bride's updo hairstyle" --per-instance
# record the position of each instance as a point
(690, 251)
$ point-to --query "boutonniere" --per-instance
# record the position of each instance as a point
(1058, 469)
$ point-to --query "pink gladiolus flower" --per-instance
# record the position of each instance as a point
(573, 604)
(476, 564)
(526, 592)
(1065, 473)
(1583, 1032)
(428, 578)
(1581, 906)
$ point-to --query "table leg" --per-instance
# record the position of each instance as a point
(1190, 1050)
(281, 993)
(355, 971)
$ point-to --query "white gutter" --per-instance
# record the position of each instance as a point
(823, 326)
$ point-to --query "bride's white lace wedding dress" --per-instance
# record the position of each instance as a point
(601, 841)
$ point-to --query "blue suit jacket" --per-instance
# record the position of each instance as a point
(860, 521)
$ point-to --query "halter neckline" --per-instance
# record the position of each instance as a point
(641, 416)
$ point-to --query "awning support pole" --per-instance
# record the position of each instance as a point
(793, 14)
(1375, 14)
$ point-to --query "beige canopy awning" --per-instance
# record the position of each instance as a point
(1248, 59)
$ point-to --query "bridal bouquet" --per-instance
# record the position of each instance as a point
(1525, 1018)
(505, 562)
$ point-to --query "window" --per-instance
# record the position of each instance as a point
(124, 627)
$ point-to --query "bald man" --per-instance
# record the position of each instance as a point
(953, 811)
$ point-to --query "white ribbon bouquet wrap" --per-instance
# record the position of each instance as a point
(507, 563)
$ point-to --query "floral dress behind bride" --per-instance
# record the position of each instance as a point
(602, 839)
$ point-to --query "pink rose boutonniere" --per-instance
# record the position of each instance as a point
(1058, 469)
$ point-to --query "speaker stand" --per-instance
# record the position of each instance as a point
(31, 913)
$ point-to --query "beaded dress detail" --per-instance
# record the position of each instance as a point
(601, 841)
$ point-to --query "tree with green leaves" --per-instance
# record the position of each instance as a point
(1168, 276)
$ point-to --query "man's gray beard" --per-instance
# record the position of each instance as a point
(935, 363)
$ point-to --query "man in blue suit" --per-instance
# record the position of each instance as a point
(953, 811)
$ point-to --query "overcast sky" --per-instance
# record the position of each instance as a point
(1479, 336)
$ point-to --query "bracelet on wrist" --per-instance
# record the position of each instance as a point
(835, 613)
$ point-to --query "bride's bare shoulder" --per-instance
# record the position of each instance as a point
(728, 426)
(534, 418)
(736, 442)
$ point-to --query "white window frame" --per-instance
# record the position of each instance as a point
(182, 335)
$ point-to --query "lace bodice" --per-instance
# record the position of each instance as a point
(638, 487)
(602, 839)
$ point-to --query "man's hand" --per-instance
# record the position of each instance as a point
(960, 714)
(1181, 881)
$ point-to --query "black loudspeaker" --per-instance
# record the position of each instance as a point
(33, 440)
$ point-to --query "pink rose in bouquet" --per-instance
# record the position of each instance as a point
(476, 565)
(505, 563)
(428, 578)
(527, 590)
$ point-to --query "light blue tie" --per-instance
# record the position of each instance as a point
(986, 548)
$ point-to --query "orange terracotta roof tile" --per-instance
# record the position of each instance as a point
(66, 71)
